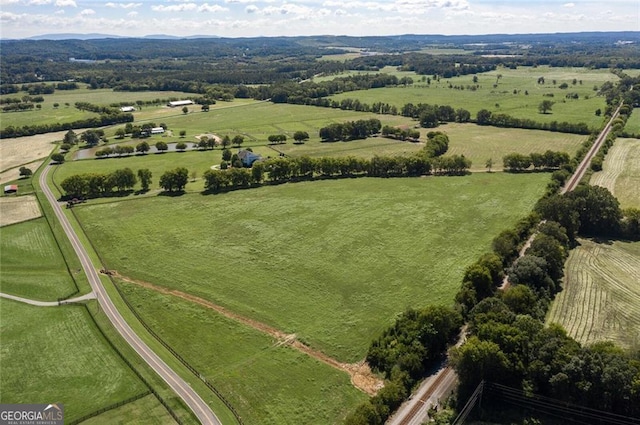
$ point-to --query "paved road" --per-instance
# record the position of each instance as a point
(177, 384)
(89, 296)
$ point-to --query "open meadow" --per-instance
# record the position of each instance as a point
(601, 293)
(512, 92)
(621, 172)
(32, 266)
(66, 112)
(266, 381)
(331, 261)
(478, 143)
(57, 355)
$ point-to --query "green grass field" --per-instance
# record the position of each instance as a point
(145, 411)
(32, 266)
(621, 172)
(633, 123)
(501, 99)
(600, 295)
(267, 383)
(332, 261)
(56, 355)
(64, 113)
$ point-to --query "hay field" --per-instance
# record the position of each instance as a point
(16, 209)
(601, 293)
(15, 152)
(621, 172)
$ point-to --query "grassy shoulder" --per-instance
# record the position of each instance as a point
(267, 383)
(332, 261)
(56, 355)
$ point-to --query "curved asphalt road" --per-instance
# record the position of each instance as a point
(177, 384)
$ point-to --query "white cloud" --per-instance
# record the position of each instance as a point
(175, 7)
(569, 5)
(132, 14)
(38, 2)
(8, 2)
(87, 12)
(212, 8)
(66, 3)
(252, 8)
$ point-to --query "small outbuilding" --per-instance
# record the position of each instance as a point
(177, 103)
(127, 109)
(10, 188)
(157, 130)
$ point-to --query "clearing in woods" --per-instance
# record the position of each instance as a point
(16, 209)
(621, 172)
(601, 293)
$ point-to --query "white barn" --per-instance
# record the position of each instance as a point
(157, 130)
(127, 109)
(176, 103)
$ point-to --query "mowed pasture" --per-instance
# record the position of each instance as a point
(16, 209)
(145, 411)
(266, 381)
(478, 143)
(332, 261)
(621, 172)
(601, 293)
(508, 96)
(32, 266)
(57, 355)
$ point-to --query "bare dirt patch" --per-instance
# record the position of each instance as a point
(16, 209)
(360, 373)
(24, 150)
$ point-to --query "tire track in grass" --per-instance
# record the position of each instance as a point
(360, 373)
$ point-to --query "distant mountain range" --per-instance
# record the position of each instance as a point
(97, 36)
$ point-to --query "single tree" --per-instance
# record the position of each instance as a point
(55, 105)
(300, 136)
(57, 158)
(120, 133)
(181, 146)
(185, 110)
(226, 155)
(70, 137)
(489, 164)
(545, 106)
(238, 140)
(144, 174)
(161, 146)
(143, 147)
(25, 172)
(205, 108)
(183, 133)
(226, 141)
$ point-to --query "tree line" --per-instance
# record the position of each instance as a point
(516, 162)
(93, 122)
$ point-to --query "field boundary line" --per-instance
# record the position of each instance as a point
(358, 372)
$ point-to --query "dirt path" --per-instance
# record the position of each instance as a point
(360, 373)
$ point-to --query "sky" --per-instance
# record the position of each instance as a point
(252, 18)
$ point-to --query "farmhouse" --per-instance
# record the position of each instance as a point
(177, 103)
(127, 109)
(157, 130)
(248, 157)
